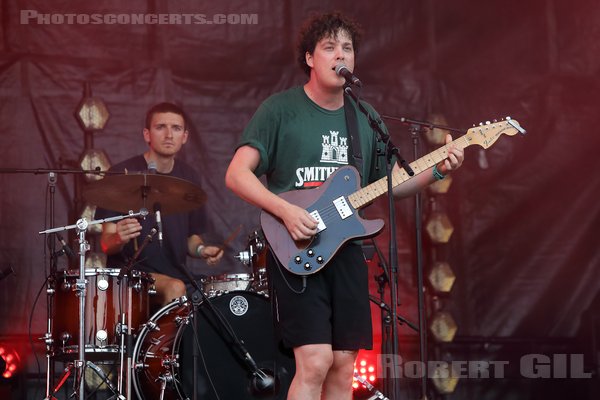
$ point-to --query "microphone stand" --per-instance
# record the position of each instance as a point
(391, 151)
(258, 373)
(415, 128)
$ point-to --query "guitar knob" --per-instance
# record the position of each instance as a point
(307, 266)
(297, 259)
(310, 253)
(320, 259)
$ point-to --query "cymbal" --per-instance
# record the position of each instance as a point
(135, 191)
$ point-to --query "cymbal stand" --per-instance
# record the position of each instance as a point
(124, 332)
(80, 288)
(124, 328)
(50, 290)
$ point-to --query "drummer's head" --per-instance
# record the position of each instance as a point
(165, 108)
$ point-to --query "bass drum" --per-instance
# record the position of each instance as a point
(164, 353)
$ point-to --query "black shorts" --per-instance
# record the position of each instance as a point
(334, 309)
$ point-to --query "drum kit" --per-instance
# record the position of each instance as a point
(220, 344)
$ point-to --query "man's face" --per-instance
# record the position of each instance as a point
(329, 52)
(166, 134)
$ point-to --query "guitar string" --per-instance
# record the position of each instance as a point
(329, 211)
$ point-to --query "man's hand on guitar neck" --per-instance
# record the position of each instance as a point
(455, 158)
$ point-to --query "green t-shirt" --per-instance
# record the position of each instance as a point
(301, 143)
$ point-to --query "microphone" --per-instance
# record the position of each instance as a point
(158, 223)
(263, 382)
(342, 70)
(152, 167)
(65, 247)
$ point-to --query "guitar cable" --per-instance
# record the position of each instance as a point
(279, 266)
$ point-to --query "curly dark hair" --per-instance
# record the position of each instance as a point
(321, 26)
(165, 108)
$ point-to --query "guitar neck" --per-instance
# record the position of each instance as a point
(366, 195)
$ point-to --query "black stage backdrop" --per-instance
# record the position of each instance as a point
(525, 212)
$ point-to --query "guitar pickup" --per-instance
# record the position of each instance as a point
(320, 224)
(342, 207)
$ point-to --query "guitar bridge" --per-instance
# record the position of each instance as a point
(342, 207)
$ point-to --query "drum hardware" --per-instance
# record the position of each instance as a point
(105, 379)
(165, 379)
(376, 393)
(66, 373)
(80, 288)
(254, 247)
(254, 257)
(125, 334)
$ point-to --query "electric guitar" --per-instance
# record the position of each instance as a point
(335, 204)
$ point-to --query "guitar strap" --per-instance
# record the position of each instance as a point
(354, 150)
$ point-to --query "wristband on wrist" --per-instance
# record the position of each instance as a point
(437, 174)
(199, 250)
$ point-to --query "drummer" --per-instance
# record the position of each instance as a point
(165, 133)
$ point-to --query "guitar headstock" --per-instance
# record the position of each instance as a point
(487, 133)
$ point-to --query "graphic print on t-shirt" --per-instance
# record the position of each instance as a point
(334, 150)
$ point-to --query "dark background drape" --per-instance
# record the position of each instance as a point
(525, 212)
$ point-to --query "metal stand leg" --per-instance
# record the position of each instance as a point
(123, 333)
(82, 225)
(66, 373)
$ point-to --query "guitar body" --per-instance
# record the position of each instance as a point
(342, 224)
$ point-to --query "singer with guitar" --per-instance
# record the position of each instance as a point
(298, 138)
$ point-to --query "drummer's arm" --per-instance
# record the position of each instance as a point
(116, 235)
(197, 248)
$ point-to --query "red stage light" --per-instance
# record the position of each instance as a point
(364, 366)
(9, 361)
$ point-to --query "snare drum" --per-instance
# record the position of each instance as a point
(105, 301)
(163, 353)
(221, 284)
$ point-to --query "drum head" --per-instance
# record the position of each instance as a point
(222, 363)
(221, 372)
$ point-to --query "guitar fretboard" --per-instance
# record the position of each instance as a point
(366, 195)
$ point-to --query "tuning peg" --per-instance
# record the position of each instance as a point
(481, 124)
(508, 118)
(495, 120)
(487, 122)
